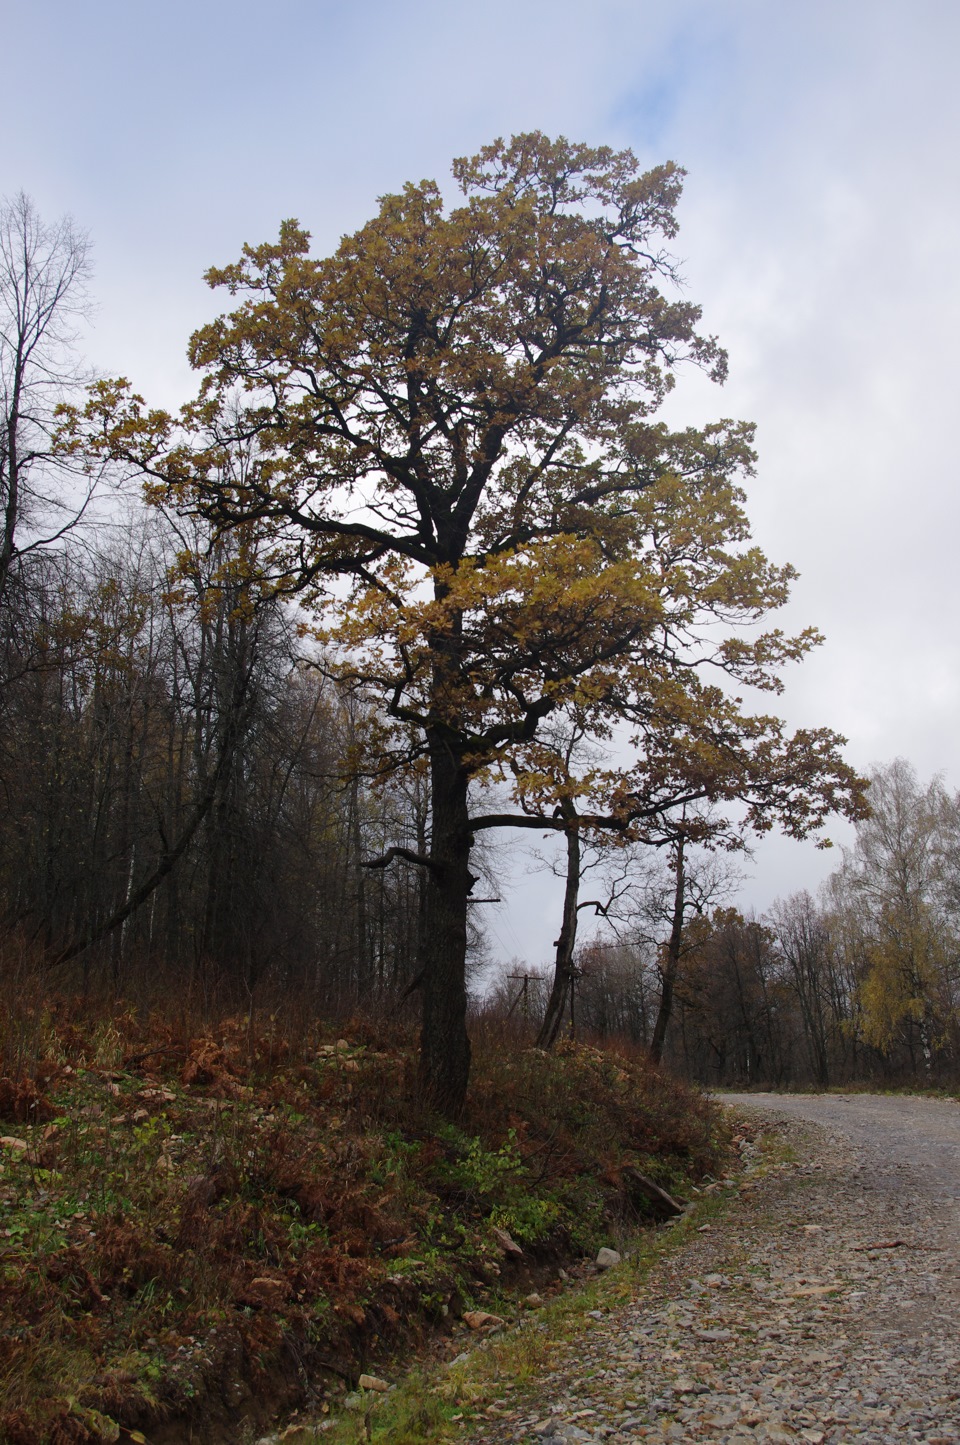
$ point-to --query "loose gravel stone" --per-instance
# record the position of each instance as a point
(825, 1308)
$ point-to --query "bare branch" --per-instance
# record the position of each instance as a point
(420, 860)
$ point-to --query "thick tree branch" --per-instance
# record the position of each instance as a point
(398, 851)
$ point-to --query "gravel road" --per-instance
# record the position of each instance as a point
(825, 1307)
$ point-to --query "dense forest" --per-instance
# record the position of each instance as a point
(418, 564)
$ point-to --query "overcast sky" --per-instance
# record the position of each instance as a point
(819, 231)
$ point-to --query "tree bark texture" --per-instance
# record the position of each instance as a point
(444, 1042)
(563, 973)
(671, 964)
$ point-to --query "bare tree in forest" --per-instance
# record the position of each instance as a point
(708, 777)
(692, 888)
(803, 936)
(44, 269)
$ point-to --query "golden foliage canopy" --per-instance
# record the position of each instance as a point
(444, 437)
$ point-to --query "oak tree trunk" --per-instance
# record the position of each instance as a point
(444, 1043)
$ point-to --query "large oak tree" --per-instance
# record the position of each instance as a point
(451, 443)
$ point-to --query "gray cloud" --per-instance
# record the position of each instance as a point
(820, 231)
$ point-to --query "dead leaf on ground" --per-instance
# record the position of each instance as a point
(481, 1320)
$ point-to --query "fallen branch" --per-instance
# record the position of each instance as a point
(662, 1204)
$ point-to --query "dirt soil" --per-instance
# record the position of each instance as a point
(825, 1307)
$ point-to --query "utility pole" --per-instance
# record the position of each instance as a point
(524, 978)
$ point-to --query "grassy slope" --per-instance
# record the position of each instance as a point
(219, 1227)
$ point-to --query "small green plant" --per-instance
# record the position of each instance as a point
(493, 1172)
(395, 1162)
(499, 1184)
(302, 1233)
(151, 1134)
